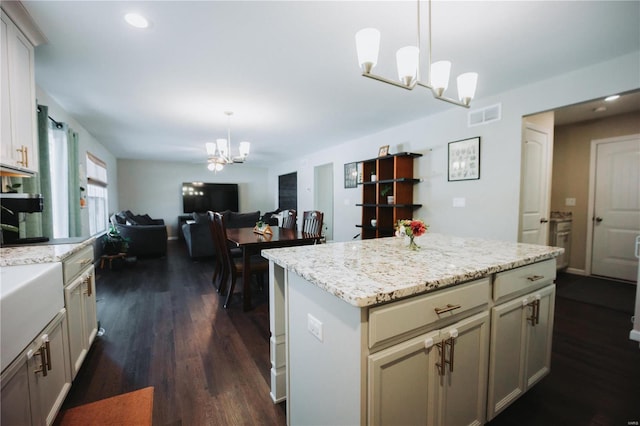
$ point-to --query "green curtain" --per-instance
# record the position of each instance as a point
(75, 222)
(38, 225)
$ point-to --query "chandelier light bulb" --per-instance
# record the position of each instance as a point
(367, 46)
(407, 58)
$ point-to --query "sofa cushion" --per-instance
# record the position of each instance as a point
(144, 219)
(243, 220)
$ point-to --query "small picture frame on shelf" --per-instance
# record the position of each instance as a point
(464, 159)
(351, 175)
(383, 151)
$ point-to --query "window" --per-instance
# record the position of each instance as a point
(96, 194)
(58, 166)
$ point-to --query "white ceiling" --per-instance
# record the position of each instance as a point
(289, 70)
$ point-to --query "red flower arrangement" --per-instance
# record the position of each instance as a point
(412, 228)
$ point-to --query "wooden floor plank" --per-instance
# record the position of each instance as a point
(166, 327)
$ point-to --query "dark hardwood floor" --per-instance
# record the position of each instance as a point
(165, 327)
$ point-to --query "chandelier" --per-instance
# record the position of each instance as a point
(408, 63)
(219, 153)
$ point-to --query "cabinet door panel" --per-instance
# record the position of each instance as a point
(90, 315)
(507, 355)
(53, 388)
(539, 338)
(75, 319)
(14, 393)
(399, 387)
(463, 390)
(5, 146)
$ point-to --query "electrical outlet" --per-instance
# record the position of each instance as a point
(569, 201)
(314, 325)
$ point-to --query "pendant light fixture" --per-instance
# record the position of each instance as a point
(408, 63)
(219, 153)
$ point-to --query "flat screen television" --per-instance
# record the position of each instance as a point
(200, 197)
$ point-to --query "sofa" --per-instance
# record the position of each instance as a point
(146, 236)
(197, 234)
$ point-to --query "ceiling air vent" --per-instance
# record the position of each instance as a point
(485, 115)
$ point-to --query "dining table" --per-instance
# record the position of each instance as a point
(251, 242)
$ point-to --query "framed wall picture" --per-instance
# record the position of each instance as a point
(464, 159)
(350, 175)
(384, 150)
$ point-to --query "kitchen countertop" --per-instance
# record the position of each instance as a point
(48, 252)
(369, 272)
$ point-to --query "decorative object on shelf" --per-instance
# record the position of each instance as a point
(219, 153)
(464, 159)
(383, 151)
(411, 228)
(374, 222)
(374, 176)
(408, 61)
(262, 228)
(350, 175)
(384, 191)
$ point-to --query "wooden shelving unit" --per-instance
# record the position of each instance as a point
(394, 178)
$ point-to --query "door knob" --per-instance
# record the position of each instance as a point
(543, 220)
(598, 219)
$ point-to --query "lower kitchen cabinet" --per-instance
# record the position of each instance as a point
(34, 386)
(438, 378)
(80, 300)
(521, 331)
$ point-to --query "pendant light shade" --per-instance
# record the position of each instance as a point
(367, 46)
(407, 58)
(440, 76)
(467, 83)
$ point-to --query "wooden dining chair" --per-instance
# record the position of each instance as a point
(312, 222)
(233, 265)
(289, 218)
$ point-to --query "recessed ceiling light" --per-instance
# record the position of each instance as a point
(136, 20)
(611, 98)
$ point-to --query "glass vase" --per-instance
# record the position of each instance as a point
(412, 243)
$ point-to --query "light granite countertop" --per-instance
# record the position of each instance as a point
(40, 253)
(369, 272)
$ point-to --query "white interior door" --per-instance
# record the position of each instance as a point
(616, 212)
(323, 197)
(535, 187)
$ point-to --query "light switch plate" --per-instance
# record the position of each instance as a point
(459, 202)
(314, 325)
(569, 201)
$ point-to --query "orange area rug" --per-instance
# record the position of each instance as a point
(129, 409)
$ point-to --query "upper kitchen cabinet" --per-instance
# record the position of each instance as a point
(19, 152)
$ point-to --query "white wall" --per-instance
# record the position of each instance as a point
(492, 202)
(155, 188)
(86, 143)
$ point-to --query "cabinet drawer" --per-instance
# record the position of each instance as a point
(399, 318)
(516, 281)
(74, 264)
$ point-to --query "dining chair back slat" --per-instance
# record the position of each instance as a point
(312, 222)
(289, 218)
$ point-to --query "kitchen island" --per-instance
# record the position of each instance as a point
(365, 332)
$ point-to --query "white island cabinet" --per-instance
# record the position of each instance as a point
(370, 332)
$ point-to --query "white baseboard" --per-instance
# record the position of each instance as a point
(576, 271)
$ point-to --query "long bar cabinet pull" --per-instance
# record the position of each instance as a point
(89, 291)
(47, 350)
(43, 361)
(443, 358)
(452, 343)
(447, 308)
